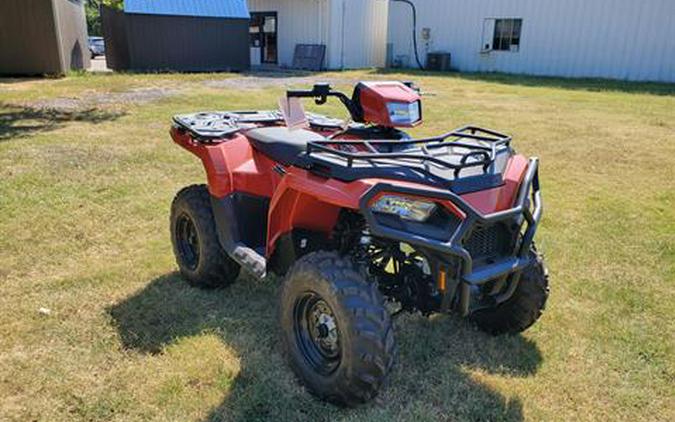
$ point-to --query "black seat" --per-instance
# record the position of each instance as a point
(282, 145)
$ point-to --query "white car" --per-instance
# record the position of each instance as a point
(96, 46)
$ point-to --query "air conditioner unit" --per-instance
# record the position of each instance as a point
(438, 61)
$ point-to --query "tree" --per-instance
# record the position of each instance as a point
(93, 14)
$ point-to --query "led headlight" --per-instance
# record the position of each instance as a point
(403, 113)
(406, 208)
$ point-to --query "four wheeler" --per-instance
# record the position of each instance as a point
(361, 220)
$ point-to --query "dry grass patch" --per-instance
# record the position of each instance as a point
(84, 199)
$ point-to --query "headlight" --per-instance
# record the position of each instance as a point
(406, 208)
(403, 113)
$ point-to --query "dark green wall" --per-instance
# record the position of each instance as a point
(180, 43)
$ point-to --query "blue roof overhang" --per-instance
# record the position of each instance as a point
(203, 8)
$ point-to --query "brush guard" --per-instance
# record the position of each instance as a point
(527, 209)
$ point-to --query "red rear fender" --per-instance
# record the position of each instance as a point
(232, 166)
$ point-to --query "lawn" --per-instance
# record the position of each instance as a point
(95, 324)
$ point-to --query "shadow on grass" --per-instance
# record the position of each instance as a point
(6, 80)
(429, 380)
(17, 121)
(581, 84)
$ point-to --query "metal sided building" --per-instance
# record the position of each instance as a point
(177, 35)
(42, 37)
(618, 39)
(353, 33)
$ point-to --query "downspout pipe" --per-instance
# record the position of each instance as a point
(414, 30)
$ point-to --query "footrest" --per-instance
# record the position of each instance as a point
(250, 260)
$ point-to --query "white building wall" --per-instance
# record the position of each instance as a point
(354, 31)
(298, 22)
(358, 36)
(622, 39)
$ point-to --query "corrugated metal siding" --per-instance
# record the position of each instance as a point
(206, 8)
(28, 38)
(42, 36)
(354, 31)
(187, 43)
(298, 22)
(621, 39)
(183, 43)
(113, 24)
(358, 33)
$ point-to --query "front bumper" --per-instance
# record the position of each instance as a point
(527, 210)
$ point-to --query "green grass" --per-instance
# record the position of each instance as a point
(84, 205)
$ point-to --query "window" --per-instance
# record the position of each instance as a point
(507, 34)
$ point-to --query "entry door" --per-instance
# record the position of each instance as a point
(263, 31)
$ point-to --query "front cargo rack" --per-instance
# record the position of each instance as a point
(463, 148)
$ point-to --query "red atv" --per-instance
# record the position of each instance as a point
(361, 219)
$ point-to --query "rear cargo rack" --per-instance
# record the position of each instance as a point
(215, 125)
(209, 126)
(479, 146)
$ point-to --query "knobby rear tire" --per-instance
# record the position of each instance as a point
(214, 268)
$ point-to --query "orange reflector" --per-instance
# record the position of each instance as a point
(441, 280)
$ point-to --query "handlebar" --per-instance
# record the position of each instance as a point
(321, 92)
